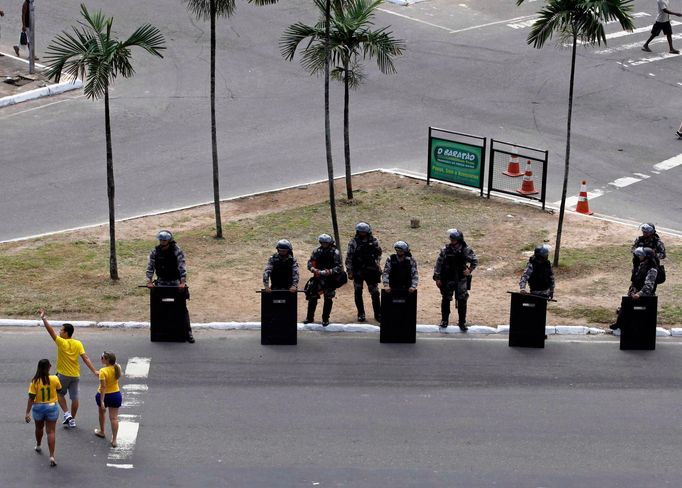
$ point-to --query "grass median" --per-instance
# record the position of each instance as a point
(67, 273)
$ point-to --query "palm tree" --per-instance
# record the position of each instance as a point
(575, 20)
(351, 38)
(210, 10)
(92, 53)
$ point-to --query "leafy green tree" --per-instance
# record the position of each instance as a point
(351, 39)
(210, 10)
(573, 21)
(92, 53)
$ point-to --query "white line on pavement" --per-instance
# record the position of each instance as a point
(669, 163)
(137, 368)
(573, 201)
(632, 45)
(457, 31)
(625, 181)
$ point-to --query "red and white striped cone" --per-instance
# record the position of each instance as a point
(527, 187)
(583, 206)
(513, 168)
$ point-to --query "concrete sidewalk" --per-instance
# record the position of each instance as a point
(17, 85)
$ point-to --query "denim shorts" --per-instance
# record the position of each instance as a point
(111, 400)
(70, 384)
(46, 411)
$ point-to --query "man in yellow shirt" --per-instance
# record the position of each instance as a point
(68, 368)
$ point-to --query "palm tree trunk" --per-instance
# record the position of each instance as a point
(327, 130)
(214, 138)
(346, 132)
(568, 154)
(111, 190)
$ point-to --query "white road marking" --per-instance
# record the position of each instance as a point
(669, 163)
(127, 435)
(137, 368)
(625, 181)
(456, 31)
(573, 201)
(652, 59)
(632, 45)
(642, 175)
(120, 466)
(623, 33)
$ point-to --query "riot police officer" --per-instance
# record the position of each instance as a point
(452, 275)
(643, 279)
(363, 265)
(650, 239)
(282, 269)
(326, 267)
(400, 270)
(538, 274)
(168, 262)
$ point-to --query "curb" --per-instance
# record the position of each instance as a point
(45, 91)
(575, 330)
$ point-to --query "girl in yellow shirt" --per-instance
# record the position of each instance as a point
(42, 400)
(109, 395)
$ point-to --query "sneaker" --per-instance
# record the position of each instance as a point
(38, 449)
(308, 321)
(679, 134)
(190, 337)
(325, 323)
(67, 418)
(443, 324)
(674, 51)
(463, 327)
(361, 317)
(16, 50)
(72, 423)
(646, 49)
(53, 463)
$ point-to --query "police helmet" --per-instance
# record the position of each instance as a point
(284, 244)
(164, 235)
(325, 239)
(648, 228)
(363, 227)
(402, 245)
(542, 251)
(646, 252)
(455, 234)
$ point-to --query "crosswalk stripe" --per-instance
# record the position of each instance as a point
(626, 47)
(651, 59)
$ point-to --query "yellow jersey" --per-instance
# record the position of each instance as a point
(45, 393)
(68, 352)
(108, 374)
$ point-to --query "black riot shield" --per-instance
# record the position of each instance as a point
(169, 318)
(278, 318)
(398, 316)
(638, 323)
(527, 320)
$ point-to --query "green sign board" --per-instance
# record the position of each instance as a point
(455, 162)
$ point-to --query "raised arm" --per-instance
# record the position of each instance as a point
(47, 325)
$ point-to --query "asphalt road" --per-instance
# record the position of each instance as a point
(467, 68)
(345, 410)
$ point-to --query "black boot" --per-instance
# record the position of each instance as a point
(376, 306)
(360, 305)
(326, 311)
(190, 337)
(462, 311)
(444, 312)
(310, 316)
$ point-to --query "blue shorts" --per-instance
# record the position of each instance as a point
(46, 411)
(111, 400)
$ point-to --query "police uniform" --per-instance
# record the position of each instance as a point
(327, 262)
(363, 263)
(449, 270)
(642, 282)
(539, 276)
(400, 274)
(282, 271)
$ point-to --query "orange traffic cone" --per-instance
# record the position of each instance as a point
(583, 207)
(513, 168)
(527, 187)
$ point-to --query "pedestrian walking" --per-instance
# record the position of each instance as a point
(326, 267)
(363, 264)
(452, 274)
(68, 368)
(2, 14)
(281, 271)
(662, 23)
(538, 275)
(168, 262)
(108, 395)
(400, 270)
(42, 402)
(643, 281)
(25, 37)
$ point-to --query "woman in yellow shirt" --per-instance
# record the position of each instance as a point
(109, 395)
(42, 400)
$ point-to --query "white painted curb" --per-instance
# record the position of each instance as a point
(366, 328)
(40, 92)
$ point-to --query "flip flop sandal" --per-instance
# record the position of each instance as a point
(99, 433)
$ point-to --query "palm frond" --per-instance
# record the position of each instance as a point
(201, 9)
